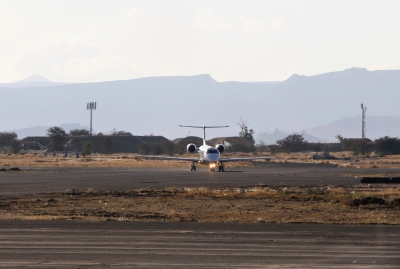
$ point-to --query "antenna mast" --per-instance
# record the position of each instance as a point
(364, 114)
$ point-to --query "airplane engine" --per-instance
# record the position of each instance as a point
(191, 148)
(220, 147)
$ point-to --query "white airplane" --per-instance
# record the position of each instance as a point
(208, 155)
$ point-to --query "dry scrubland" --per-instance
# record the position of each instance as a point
(273, 204)
(344, 159)
(361, 204)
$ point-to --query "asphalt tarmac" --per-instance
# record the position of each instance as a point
(70, 244)
(58, 179)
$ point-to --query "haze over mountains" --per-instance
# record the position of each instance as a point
(322, 105)
(42, 130)
(376, 126)
(31, 81)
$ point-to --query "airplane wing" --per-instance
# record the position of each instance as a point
(168, 158)
(245, 159)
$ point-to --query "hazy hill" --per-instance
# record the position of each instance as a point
(159, 104)
(376, 126)
(31, 81)
(270, 138)
(42, 130)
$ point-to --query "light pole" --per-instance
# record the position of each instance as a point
(91, 106)
(364, 112)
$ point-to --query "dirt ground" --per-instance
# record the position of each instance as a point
(361, 204)
(364, 204)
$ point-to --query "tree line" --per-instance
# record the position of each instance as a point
(292, 143)
(58, 138)
(383, 146)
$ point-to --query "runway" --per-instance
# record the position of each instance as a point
(73, 244)
(58, 179)
(69, 244)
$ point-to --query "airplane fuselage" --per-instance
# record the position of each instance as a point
(209, 154)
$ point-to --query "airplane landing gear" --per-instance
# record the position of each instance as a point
(221, 168)
(193, 167)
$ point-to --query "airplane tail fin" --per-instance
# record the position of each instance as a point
(204, 130)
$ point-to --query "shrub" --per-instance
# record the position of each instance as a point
(87, 148)
(292, 143)
(57, 137)
(6, 138)
(387, 145)
(15, 146)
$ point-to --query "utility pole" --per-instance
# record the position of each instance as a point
(364, 114)
(91, 106)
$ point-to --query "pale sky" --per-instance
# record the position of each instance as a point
(84, 41)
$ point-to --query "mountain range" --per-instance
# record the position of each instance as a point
(157, 105)
(30, 82)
